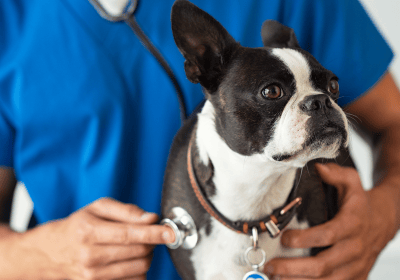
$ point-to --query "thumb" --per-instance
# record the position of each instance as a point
(331, 173)
(345, 179)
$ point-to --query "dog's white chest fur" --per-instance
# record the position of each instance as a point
(248, 188)
(220, 255)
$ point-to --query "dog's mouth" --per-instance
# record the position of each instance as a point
(326, 134)
(323, 135)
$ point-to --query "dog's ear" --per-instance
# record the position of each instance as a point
(203, 41)
(276, 35)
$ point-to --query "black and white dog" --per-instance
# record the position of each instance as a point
(234, 166)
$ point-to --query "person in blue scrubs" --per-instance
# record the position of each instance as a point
(87, 116)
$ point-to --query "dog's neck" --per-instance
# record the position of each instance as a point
(247, 187)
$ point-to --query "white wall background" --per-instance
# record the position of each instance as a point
(386, 15)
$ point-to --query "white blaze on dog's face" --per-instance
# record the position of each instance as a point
(290, 129)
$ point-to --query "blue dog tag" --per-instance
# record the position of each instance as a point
(255, 275)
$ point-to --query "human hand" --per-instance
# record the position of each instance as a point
(357, 234)
(105, 240)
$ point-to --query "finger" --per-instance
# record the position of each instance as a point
(97, 255)
(292, 267)
(126, 269)
(342, 226)
(300, 278)
(142, 277)
(126, 234)
(343, 178)
(350, 271)
(322, 265)
(110, 209)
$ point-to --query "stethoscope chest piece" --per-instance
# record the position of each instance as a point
(184, 228)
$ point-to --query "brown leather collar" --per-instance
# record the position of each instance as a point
(273, 223)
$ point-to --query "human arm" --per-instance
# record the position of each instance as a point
(7, 187)
(379, 112)
(367, 220)
(105, 240)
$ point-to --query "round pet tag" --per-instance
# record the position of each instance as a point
(255, 275)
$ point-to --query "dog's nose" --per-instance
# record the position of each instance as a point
(316, 104)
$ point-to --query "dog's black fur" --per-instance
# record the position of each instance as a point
(232, 77)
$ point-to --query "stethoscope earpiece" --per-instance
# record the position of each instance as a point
(119, 10)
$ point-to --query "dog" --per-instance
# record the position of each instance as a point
(234, 166)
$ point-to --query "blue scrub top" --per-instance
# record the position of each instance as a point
(86, 112)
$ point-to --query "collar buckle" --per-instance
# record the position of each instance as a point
(272, 228)
(272, 224)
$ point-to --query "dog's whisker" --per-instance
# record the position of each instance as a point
(352, 116)
(348, 156)
(335, 159)
(308, 171)
(301, 173)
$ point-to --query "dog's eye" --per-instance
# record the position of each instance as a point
(272, 92)
(333, 86)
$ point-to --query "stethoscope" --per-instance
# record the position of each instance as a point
(123, 10)
(178, 219)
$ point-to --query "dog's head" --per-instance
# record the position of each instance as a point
(276, 100)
